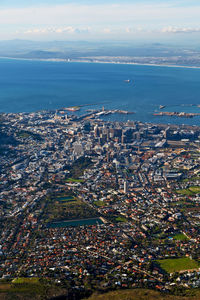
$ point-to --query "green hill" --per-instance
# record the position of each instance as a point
(140, 294)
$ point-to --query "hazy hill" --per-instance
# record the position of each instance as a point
(63, 49)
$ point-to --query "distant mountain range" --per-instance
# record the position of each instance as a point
(100, 51)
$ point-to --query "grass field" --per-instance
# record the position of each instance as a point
(66, 206)
(178, 264)
(180, 237)
(191, 191)
(74, 180)
(194, 178)
(121, 219)
(185, 192)
(99, 203)
(29, 289)
(195, 189)
(28, 134)
(21, 280)
(67, 200)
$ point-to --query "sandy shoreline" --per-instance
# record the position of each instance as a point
(100, 62)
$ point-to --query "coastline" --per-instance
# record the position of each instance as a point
(99, 62)
(123, 96)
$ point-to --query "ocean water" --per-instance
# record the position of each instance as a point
(27, 86)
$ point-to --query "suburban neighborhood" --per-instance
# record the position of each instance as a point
(99, 204)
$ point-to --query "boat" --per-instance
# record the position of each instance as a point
(127, 80)
(162, 106)
(73, 108)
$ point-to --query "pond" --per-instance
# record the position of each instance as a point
(78, 222)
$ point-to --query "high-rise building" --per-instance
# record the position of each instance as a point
(78, 148)
(96, 131)
(125, 187)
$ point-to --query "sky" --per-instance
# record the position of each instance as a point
(145, 20)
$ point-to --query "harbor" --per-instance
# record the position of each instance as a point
(100, 113)
(177, 114)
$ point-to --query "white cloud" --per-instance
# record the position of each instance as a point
(100, 14)
(128, 30)
(99, 20)
(107, 30)
(171, 29)
(58, 30)
(135, 29)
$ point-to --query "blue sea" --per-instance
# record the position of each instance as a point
(27, 86)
